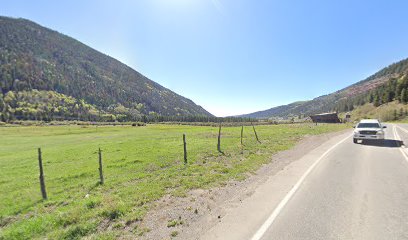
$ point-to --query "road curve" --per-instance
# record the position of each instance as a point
(358, 191)
(340, 190)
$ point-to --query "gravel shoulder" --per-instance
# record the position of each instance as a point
(204, 212)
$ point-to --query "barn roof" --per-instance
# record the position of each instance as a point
(325, 114)
(330, 117)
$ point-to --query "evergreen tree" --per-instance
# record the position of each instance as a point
(350, 107)
(404, 96)
(371, 98)
(387, 97)
(376, 101)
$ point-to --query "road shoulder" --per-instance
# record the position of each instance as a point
(221, 213)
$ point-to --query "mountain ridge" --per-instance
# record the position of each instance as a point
(329, 102)
(36, 57)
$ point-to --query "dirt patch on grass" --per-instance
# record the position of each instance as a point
(189, 217)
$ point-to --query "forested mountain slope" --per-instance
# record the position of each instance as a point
(373, 88)
(34, 57)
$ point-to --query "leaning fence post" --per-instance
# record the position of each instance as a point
(219, 139)
(185, 148)
(256, 135)
(42, 182)
(100, 167)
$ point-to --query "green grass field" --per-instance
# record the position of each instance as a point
(141, 164)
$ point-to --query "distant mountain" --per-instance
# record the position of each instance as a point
(332, 102)
(280, 110)
(33, 57)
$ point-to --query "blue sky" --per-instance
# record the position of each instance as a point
(235, 56)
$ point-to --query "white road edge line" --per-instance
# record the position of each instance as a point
(261, 231)
(401, 128)
(397, 137)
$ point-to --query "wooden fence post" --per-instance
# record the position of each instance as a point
(100, 167)
(185, 148)
(256, 135)
(242, 134)
(42, 182)
(219, 139)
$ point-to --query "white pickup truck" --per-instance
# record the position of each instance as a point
(369, 129)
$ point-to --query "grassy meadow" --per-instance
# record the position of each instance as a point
(141, 165)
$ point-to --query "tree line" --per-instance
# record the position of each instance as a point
(52, 106)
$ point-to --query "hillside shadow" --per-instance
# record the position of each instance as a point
(390, 143)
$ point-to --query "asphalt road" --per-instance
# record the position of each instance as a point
(356, 191)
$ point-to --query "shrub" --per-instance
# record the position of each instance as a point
(112, 214)
(174, 234)
(138, 124)
(174, 223)
(92, 204)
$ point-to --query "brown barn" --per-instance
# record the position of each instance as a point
(326, 118)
